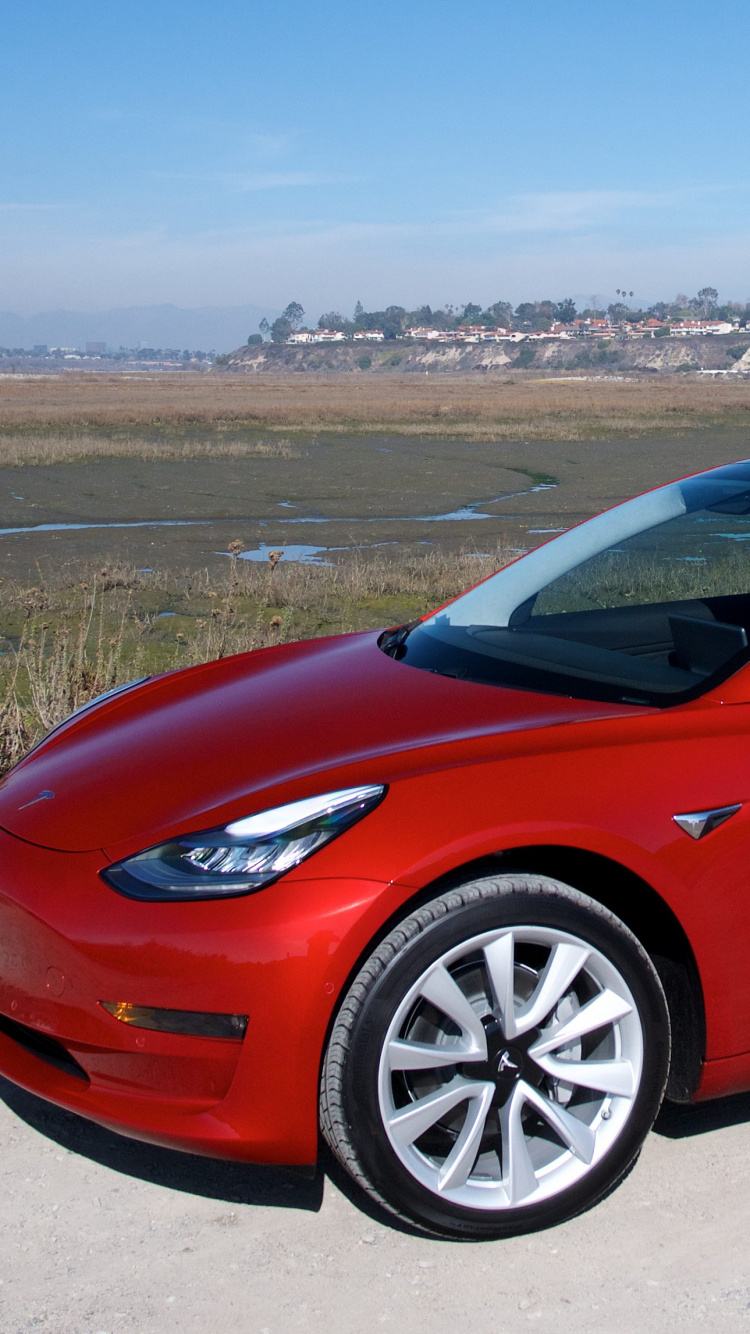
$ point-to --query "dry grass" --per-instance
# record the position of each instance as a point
(23, 448)
(82, 407)
(66, 641)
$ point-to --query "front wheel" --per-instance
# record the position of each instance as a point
(499, 1059)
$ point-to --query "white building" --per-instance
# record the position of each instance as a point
(686, 327)
(317, 336)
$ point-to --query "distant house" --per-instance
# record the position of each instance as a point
(370, 335)
(686, 327)
(317, 336)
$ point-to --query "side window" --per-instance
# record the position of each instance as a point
(696, 556)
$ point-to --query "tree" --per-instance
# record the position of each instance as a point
(265, 328)
(525, 312)
(294, 314)
(500, 312)
(565, 311)
(536, 315)
(471, 313)
(394, 321)
(359, 311)
(254, 339)
(705, 301)
(333, 320)
(618, 311)
(280, 330)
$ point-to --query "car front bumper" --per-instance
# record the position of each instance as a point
(281, 957)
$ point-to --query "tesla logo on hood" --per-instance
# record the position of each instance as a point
(44, 795)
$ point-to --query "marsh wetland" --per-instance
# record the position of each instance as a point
(136, 540)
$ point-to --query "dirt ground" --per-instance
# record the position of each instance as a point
(101, 1235)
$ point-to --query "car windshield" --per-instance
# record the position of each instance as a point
(647, 603)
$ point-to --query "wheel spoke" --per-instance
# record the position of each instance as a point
(457, 1166)
(440, 989)
(403, 1055)
(563, 966)
(410, 1122)
(606, 1008)
(603, 1076)
(499, 958)
(519, 1177)
(579, 1137)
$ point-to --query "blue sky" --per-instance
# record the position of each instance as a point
(327, 150)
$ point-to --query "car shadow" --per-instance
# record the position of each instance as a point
(214, 1179)
(676, 1121)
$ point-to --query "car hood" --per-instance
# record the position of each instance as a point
(213, 743)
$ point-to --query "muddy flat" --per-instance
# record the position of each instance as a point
(331, 492)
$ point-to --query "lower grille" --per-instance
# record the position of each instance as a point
(46, 1048)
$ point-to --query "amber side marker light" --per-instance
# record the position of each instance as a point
(192, 1023)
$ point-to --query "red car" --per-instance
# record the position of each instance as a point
(467, 895)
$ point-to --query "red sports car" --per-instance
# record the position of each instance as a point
(466, 896)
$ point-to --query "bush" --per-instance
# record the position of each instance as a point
(739, 351)
(254, 340)
(526, 354)
(364, 363)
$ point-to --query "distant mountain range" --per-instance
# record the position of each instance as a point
(205, 328)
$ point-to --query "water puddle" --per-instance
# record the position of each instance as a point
(463, 515)
(79, 527)
(304, 553)
(295, 551)
(298, 552)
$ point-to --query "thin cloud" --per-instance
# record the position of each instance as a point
(245, 182)
(16, 206)
(575, 210)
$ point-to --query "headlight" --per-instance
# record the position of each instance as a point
(245, 855)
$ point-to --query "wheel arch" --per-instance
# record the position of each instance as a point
(629, 897)
(659, 931)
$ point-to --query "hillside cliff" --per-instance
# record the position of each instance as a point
(724, 352)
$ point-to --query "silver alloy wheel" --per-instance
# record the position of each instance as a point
(510, 1067)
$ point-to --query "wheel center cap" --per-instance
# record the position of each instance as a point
(508, 1064)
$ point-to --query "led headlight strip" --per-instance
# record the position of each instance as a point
(245, 855)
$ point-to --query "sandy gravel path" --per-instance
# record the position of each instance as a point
(100, 1235)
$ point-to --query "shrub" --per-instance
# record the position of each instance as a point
(526, 354)
(364, 363)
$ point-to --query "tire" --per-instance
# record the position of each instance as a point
(444, 1091)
